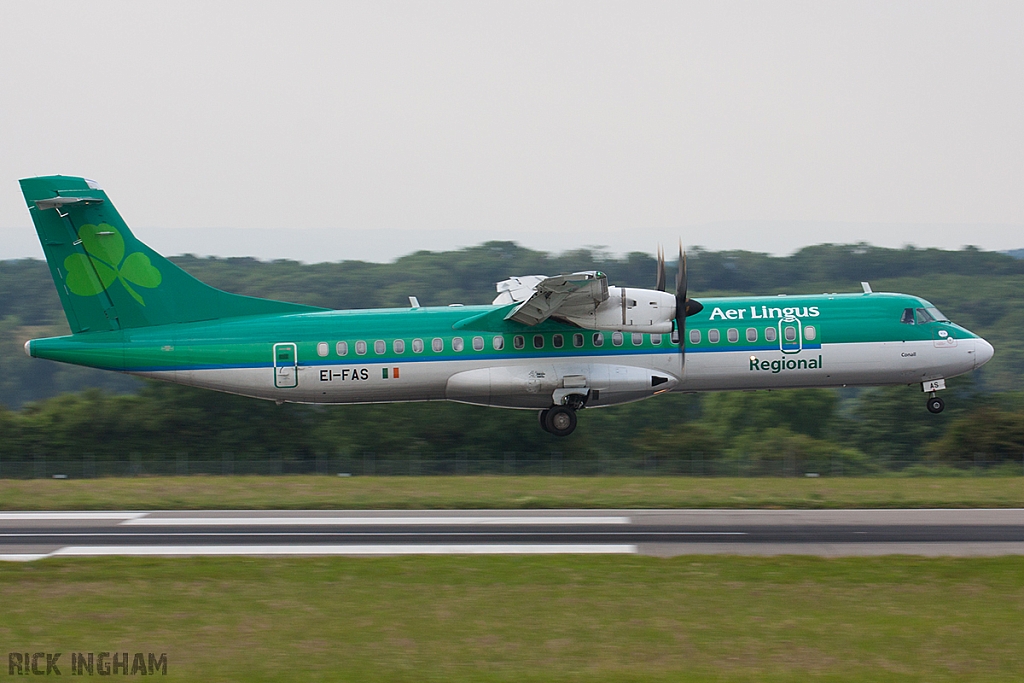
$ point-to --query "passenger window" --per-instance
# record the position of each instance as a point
(713, 336)
(379, 347)
(498, 343)
(790, 334)
(638, 339)
(437, 344)
(769, 334)
(577, 340)
(361, 348)
(458, 344)
(417, 346)
(598, 339)
(733, 335)
(751, 334)
(341, 348)
(924, 317)
(478, 343)
(538, 341)
(519, 342)
(399, 346)
(558, 341)
(810, 333)
(695, 336)
(908, 316)
(322, 349)
(617, 338)
(656, 338)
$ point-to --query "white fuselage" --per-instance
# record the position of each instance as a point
(534, 382)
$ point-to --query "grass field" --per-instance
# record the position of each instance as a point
(323, 492)
(565, 618)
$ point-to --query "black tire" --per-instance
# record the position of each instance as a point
(935, 405)
(543, 415)
(560, 420)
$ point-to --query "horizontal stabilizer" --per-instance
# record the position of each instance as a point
(54, 202)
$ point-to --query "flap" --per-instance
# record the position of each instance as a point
(587, 288)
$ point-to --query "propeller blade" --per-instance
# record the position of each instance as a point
(681, 274)
(661, 270)
(685, 306)
(681, 301)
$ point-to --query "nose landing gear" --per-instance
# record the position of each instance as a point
(935, 404)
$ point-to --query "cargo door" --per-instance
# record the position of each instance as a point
(791, 335)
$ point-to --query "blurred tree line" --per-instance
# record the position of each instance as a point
(66, 412)
(820, 430)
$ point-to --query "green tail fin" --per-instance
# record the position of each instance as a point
(109, 280)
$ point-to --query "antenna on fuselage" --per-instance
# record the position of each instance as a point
(414, 302)
(866, 287)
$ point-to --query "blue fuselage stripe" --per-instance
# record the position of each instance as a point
(467, 356)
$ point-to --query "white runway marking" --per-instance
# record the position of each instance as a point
(374, 521)
(69, 516)
(232, 534)
(918, 549)
(381, 549)
(26, 536)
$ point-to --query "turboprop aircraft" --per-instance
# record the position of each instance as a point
(551, 344)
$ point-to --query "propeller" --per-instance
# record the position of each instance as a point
(685, 306)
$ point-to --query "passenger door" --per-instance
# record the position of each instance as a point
(286, 374)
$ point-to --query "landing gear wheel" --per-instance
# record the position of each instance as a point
(935, 405)
(560, 420)
(543, 415)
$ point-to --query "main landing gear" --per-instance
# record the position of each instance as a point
(558, 420)
(935, 404)
(561, 420)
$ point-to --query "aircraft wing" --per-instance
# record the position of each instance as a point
(541, 297)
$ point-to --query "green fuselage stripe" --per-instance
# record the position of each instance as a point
(246, 342)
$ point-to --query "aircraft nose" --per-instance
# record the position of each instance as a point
(983, 352)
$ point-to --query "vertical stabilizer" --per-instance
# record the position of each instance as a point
(109, 280)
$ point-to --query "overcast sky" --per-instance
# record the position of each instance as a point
(325, 131)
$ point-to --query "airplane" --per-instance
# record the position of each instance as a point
(555, 345)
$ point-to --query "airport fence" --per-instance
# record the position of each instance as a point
(553, 463)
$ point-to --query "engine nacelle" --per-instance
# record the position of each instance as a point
(626, 310)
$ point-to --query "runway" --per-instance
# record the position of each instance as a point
(830, 533)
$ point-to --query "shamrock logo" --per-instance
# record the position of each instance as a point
(92, 274)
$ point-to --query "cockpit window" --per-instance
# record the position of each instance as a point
(935, 314)
(908, 316)
(924, 317)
